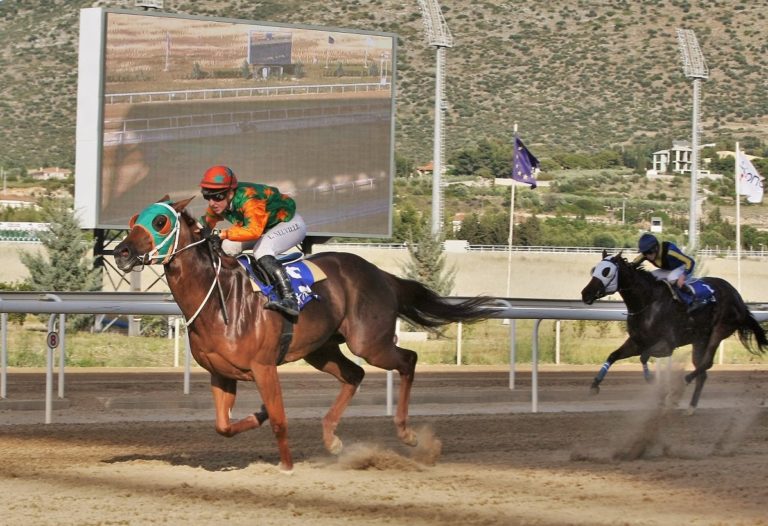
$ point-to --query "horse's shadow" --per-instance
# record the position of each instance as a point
(207, 460)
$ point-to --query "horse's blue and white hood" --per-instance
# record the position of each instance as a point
(608, 274)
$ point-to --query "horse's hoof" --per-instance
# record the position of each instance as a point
(691, 410)
(336, 446)
(594, 389)
(649, 378)
(409, 438)
(286, 471)
(688, 378)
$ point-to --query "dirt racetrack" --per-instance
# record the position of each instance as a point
(126, 447)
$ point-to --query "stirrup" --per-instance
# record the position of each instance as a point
(284, 305)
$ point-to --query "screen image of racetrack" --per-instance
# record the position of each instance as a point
(309, 111)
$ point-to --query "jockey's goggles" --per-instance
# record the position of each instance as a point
(215, 196)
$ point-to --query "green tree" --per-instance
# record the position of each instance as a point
(408, 223)
(528, 233)
(65, 266)
(427, 264)
(404, 167)
(245, 70)
(197, 71)
(470, 229)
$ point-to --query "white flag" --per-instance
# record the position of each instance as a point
(750, 182)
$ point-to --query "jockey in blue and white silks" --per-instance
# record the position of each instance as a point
(675, 267)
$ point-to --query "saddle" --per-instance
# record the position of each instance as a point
(303, 275)
(702, 295)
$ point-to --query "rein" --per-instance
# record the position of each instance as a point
(210, 290)
(629, 313)
(167, 258)
(620, 289)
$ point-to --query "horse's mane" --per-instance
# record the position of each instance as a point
(637, 269)
(226, 260)
(188, 219)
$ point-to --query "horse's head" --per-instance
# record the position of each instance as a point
(605, 279)
(154, 234)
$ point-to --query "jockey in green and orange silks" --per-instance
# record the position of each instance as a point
(262, 218)
(253, 209)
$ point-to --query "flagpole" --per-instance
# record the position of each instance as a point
(737, 175)
(511, 225)
(167, 51)
(511, 230)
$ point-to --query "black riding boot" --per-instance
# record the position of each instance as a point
(278, 278)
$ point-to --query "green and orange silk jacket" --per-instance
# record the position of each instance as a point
(254, 209)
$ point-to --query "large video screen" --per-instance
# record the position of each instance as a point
(161, 98)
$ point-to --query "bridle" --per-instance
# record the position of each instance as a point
(607, 276)
(611, 281)
(168, 257)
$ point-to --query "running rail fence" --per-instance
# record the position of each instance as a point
(62, 303)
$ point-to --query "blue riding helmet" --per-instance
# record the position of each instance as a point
(647, 243)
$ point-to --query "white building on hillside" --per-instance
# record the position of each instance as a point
(45, 174)
(676, 160)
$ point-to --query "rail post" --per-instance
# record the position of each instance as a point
(4, 356)
(53, 340)
(535, 368)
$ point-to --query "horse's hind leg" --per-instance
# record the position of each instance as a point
(703, 358)
(330, 359)
(407, 372)
(224, 392)
(404, 362)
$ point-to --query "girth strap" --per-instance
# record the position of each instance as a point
(286, 336)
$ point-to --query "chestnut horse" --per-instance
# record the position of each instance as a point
(657, 323)
(358, 304)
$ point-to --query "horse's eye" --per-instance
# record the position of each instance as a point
(159, 222)
(606, 272)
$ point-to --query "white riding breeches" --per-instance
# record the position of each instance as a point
(274, 241)
(669, 275)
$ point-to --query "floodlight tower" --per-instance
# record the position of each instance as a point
(438, 35)
(695, 68)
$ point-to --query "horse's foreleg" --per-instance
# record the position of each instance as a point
(627, 349)
(271, 394)
(330, 359)
(224, 392)
(700, 379)
(647, 374)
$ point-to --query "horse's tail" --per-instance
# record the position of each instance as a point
(753, 328)
(421, 305)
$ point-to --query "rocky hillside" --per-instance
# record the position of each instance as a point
(576, 75)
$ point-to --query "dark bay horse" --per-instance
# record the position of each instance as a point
(657, 324)
(358, 304)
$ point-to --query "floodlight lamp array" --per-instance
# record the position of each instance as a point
(694, 65)
(435, 27)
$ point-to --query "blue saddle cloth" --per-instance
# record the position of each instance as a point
(299, 271)
(704, 293)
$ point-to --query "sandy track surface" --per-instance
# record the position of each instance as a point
(127, 448)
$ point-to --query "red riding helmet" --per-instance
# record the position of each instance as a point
(219, 177)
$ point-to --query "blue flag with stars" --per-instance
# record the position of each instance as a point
(524, 164)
